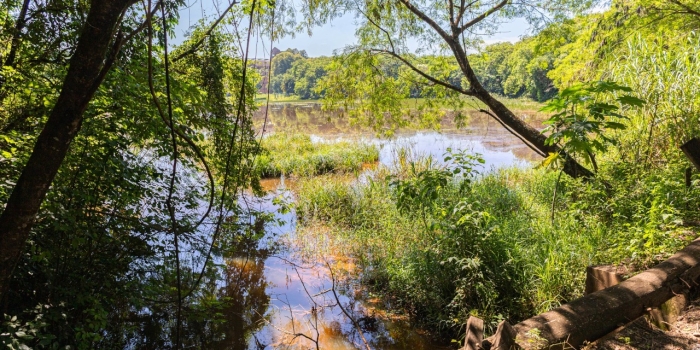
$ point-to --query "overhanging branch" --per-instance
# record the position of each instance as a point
(479, 18)
(423, 74)
(199, 43)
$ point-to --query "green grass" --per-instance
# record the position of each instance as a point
(490, 247)
(297, 155)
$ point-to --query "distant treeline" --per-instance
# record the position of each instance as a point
(512, 70)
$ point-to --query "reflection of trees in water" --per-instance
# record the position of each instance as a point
(223, 313)
(244, 296)
(312, 119)
(307, 118)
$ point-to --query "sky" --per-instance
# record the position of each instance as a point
(335, 35)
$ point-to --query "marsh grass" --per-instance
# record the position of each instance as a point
(493, 250)
(297, 155)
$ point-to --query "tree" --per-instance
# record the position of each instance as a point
(106, 217)
(686, 13)
(97, 48)
(90, 40)
(283, 61)
(490, 65)
(450, 27)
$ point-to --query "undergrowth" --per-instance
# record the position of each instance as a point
(443, 245)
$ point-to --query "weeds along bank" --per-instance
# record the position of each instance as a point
(443, 245)
(297, 155)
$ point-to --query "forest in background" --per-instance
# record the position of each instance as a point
(535, 67)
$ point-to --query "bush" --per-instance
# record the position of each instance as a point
(490, 245)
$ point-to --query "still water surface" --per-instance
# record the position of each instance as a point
(287, 301)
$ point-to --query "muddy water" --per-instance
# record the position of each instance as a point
(288, 301)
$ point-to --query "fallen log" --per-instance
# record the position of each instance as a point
(591, 317)
(599, 277)
(692, 151)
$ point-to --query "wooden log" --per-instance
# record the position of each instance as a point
(503, 339)
(475, 334)
(599, 277)
(597, 314)
(692, 151)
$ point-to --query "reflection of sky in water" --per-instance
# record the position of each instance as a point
(291, 300)
(290, 303)
(431, 143)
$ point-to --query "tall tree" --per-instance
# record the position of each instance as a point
(454, 27)
(97, 47)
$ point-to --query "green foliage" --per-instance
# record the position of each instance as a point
(516, 70)
(297, 155)
(489, 247)
(375, 96)
(419, 190)
(99, 269)
(667, 77)
(582, 119)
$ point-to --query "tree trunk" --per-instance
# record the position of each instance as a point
(19, 25)
(533, 136)
(525, 132)
(82, 80)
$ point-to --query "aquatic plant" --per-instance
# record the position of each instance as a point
(297, 155)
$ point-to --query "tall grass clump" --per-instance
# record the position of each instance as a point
(297, 155)
(667, 77)
(444, 243)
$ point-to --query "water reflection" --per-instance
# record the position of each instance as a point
(302, 312)
(479, 132)
(277, 299)
(245, 298)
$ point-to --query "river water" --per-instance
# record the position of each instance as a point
(284, 301)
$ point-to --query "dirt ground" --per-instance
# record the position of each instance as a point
(641, 334)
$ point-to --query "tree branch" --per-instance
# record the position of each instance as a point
(423, 74)
(352, 319)
(479, 18)
(416, 11)
(462, 9)
(391, 43)
(199, 43)
(687, 9)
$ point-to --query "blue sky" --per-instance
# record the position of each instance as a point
(324, 40)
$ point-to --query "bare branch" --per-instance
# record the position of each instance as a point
(357, 326)
(479, 18)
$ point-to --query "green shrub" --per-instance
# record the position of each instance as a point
(490, 245)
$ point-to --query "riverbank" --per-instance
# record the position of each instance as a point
(501, 245)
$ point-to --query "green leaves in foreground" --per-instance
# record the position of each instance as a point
(421, 189)
(584, 114)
